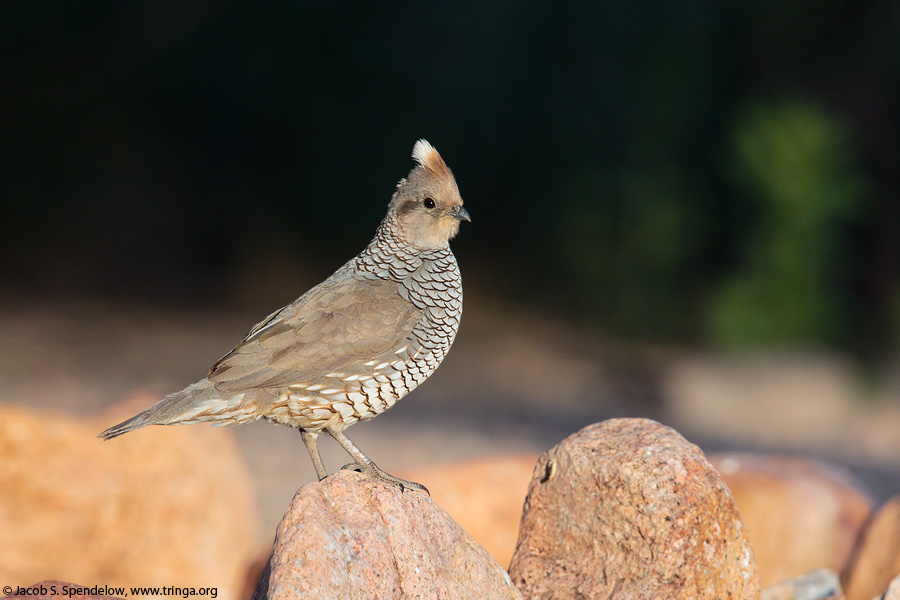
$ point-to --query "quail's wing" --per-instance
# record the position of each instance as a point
(341, 321)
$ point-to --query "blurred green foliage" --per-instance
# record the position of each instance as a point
(636, 166)
(798, 167)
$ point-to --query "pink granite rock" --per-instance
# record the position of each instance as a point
(877, 559)
(484, 495)
(352, 537)
(801, 514)
(821, 584)
(627, 508)
(893, 591)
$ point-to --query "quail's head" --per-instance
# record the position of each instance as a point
(427, 205)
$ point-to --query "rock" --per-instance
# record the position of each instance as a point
(484, 496)
(256, 573)
(893, 591)
(352, 537)
(800, 514)
(159, 507)
(627, 508)
(47, 590)
(261, 590)
(877, 559)
(821, 584)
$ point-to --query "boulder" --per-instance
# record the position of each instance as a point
(877, 559)
(353, 537)
(484, 496)
(893, 591)
(821, 584)
(801, 514)
(628, 508)
(157, 507)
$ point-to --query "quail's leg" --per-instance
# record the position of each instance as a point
(309, 440)
(365, 465)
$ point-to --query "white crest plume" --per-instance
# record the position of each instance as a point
(427, 157)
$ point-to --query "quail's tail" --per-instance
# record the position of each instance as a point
(194, 404)
(135, 422)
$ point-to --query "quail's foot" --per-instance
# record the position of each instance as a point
(372, 470)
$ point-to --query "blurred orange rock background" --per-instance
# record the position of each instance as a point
(173, 508)
(178, 506)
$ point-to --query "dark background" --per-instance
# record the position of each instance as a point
(700, 172)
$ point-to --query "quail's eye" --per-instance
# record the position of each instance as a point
(428, 203)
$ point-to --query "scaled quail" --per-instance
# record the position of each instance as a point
(349, 348)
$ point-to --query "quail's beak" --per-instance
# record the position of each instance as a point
(460, 213)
